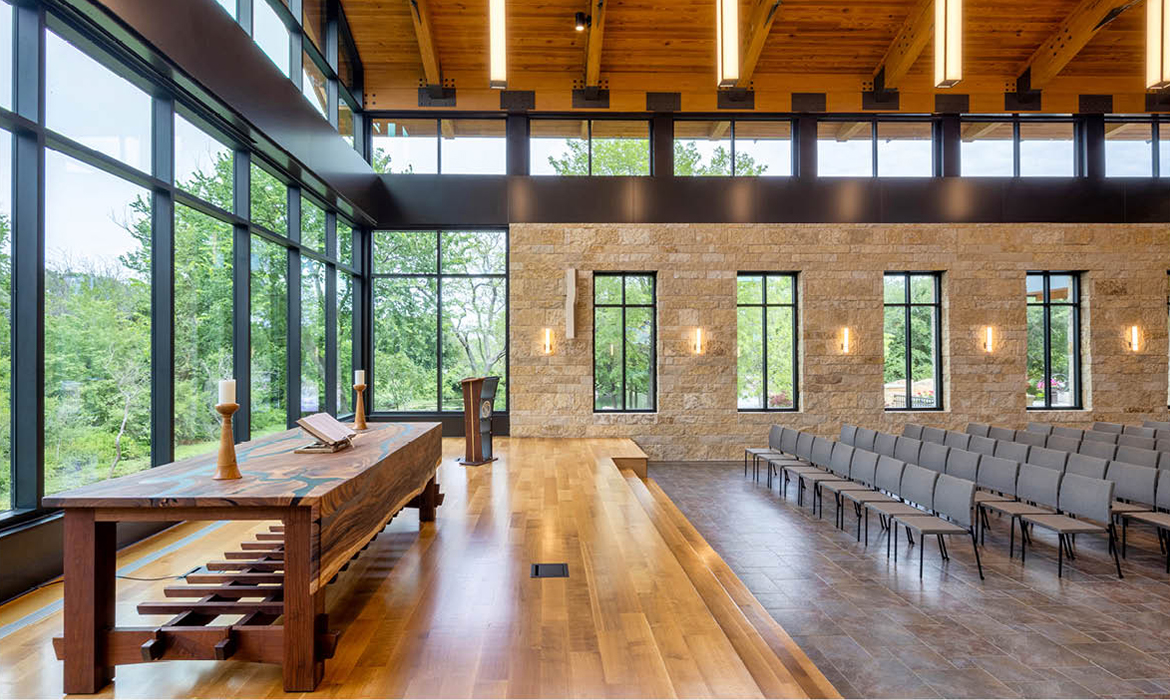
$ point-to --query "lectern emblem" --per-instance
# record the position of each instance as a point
(485, 409)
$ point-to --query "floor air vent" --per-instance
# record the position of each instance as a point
(550, 571)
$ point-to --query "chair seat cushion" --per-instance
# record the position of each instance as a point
(1161, 520)
(1123, 508)
(764, 452)
(1015, 508)
(930, 524)
(894, 508)
(987, 496)
(819, 477)
(1062, 523)
(840, 486)
(868, 496)
(801, 469)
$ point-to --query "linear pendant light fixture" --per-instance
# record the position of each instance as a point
(498, 50)
(1157, 44)
(948, 42)
(727, 42)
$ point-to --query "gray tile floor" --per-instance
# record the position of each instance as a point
(876, 630)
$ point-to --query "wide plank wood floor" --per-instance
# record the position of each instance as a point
(449, 609)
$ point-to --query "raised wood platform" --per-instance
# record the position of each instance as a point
(448, 609)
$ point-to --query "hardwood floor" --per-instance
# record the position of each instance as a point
(449, 609)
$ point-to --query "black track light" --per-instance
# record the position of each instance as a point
(582, 21)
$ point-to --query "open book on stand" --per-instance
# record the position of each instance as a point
(331, 434)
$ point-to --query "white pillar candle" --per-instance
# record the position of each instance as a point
(359, 376)
(227, 391)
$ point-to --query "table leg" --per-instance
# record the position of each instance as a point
(428, 502)
(90, 550)
(303, 607)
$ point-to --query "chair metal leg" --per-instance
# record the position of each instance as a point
(921, 554)
(1012, 540)
(942, 549)
(1023, 544)
(857, 512)
(1060, 556)
(745, 458)
(975, 546)
(1113, 542)
(895, 529)
(867, 527)
(1124, 538)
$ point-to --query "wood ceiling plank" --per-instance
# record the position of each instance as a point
(1057, 50)
(759, 26)
(908, 44)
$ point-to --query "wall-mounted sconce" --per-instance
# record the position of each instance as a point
(988, 339)
(1134, 343)
(845, 340)
(698, 348)
(547, 341)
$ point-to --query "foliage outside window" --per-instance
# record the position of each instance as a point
(589, 147)
(440, 315)
(269, 201)
(766, 341)
(451, 146)
(312, 225)
(1054, 339)
(269, 337)
(911, 341)
(722, 147)
(312, 336)
(6, 501)
(624, 338)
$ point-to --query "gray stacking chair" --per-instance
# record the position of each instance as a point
(1102, 427)
(1162, 445)
(1068, 432)
(848, 434)
(822, 456)
(998, 433)
(1063, 443)
(964, 465)
(1145, 443)
(1164, 459)
(1161, 434)
(1134, 490)
(980, 429)
(907, 450)
(1038, 490)
(864, 439)
(912, 430)
(1160, 519)
(1156, 424)
(800, 459)
(1138, 431)
(931, 434)
(953, 500)
(934, 456)
(836, 470)
(815, 451)
(790, 446)
(1025, 437)
(982, 445)
(1101, 450)
(1049, 459)
(1088, 500)
(1087, 466)
(862, 474)
(887, 480)
(885, 444)
(1042, 428)
(1098, 436)
(772, 450)
(1136, 455)
(956, 440)
(1014, 451)
(916, 487)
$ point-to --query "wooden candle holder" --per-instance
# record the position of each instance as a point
(225, 463)
(359, 408)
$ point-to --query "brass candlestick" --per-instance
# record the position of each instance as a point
(225, 464)
(359, 408)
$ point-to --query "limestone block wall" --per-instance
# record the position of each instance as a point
(840, 285)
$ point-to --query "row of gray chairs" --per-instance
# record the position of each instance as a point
(1157, 425)
(1158, 440)
(1087, 446)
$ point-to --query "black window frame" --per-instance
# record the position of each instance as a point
(438, 120)
(1047, 304)
(653, 306)
(589, 121)
(1016, 120)
(732, 138)
(908, 306)
(763, 306)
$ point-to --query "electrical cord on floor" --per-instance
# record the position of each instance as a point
(126, 578)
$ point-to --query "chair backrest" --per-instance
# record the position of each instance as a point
(980, 429)
(889, 474)
(822, 452)
(1039, 485)
(963, 464)
(1162, 445)
(774, 435)
(1101, 450)
(1136, 455)
(1098, 436)
(1156, 424)
(864, 467)
(1062, 443)
(1133, 483)
(1087, 498)
(954, 498)
(1011, 450)
(1163, 497)
(864, 439)
(1145, 443)
(1108, 427)
(1162, 434)
(1064, 431)
(918, 485)
(885, 444)
(804, 445)
(912, 430)
(1137, 431)
(956, 440)
(788, 440)
(1084, 465)
(1042, 428)
(848, 433)
(842, 459)
(982, 445)
(1164, 459)
(932, 434)
(1025, 437)
(1049, 459)
(934, 456)
(998, 474)
(998, 433)
(907, 449)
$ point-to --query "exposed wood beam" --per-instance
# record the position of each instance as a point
(759, 26)
(1117, 127)
(1086, 19)
(593, 43)
(978, 130)
(908, 44)
(421, 16)
(718, 129)
(848, 130)
(447, 128)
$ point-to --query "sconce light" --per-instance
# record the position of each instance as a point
(698, 341)
(547, 341)
(845, 340)
(1133, 338)
(988, 339)
(582, 21)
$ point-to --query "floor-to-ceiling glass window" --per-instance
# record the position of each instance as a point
(312, 336)
(269, 320)
(5, 307)
(1054, 340)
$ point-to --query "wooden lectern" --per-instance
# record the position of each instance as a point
(479, 394)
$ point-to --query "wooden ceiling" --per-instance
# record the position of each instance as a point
(829, 46)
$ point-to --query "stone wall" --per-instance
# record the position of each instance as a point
(840, 285)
